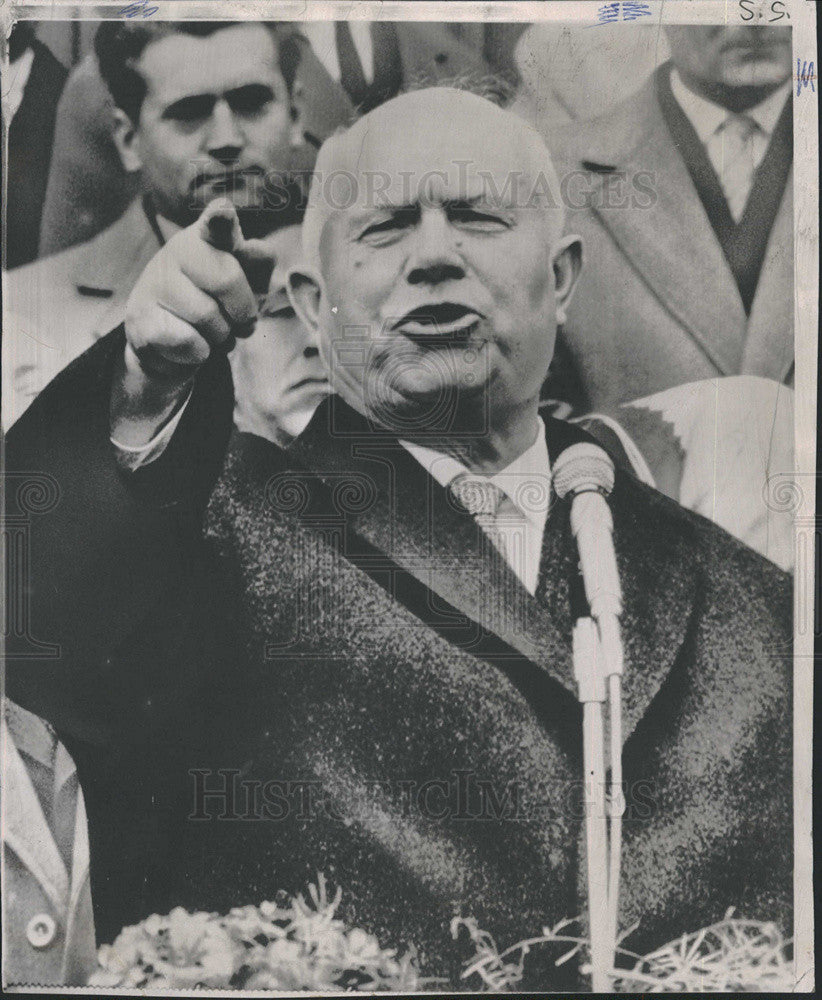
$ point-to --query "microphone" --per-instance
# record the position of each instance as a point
(584, 473)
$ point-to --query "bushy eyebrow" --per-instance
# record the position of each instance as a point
(412, 209)
(201, 105)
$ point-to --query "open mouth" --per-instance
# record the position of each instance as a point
(439, 322)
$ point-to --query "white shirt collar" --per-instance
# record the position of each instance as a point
(706, 117)
(532, 466)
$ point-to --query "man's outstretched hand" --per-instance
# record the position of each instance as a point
(195, 296)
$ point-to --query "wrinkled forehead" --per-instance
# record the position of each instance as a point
(409, 153)
(431, 147)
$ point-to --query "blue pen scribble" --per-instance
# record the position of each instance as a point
(628, 10)
(138, 7)
(608, 12)
(804, 76)
(631, 11)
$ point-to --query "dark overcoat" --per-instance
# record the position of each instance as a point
(336, 682)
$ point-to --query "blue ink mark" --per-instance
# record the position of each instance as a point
(629, 10)
(804, 76)
(607, 13)
(138, 7)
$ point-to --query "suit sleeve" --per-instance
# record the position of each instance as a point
(96, 548)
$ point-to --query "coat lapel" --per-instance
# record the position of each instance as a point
(400, 523)
(768, 352)
(111, 263)
(26, 830)
(409, 526)
(659, 590)
(671, 242)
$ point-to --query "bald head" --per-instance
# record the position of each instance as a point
(437, 143)
(436, 271)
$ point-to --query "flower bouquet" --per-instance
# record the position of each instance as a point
(300, 944)
(296, 945)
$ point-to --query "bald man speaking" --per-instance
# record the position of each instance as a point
(368, 669)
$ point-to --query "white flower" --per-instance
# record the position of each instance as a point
(288, 947)
(199, 951)
(362, 946)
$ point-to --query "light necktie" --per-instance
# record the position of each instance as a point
(738, 147)
(481, 498)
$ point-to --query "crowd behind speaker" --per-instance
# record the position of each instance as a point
(78, 186)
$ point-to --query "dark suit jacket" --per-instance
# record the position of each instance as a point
(332, 658)
(657, 304)
(29, 153)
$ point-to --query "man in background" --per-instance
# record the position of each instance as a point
(201, 109)
(683, 197)
(341, 67)
(32, 82)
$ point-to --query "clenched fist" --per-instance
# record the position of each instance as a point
(195, 296)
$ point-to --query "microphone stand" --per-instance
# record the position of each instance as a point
(585, 474)
(591, 681)
(616, 801)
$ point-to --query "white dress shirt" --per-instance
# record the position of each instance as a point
(520, 519)
(734, 156)
(321, 35)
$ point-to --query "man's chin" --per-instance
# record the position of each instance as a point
(755, 75)
(426, 405)
(748, 67)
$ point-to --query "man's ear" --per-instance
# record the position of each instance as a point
(567, 265)
(305, 292)
(127, 141)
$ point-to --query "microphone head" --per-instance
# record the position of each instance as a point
(583, 468)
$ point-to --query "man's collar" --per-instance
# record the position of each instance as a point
(706, 116)
(532, 466)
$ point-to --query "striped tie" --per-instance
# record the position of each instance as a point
(480, 498)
